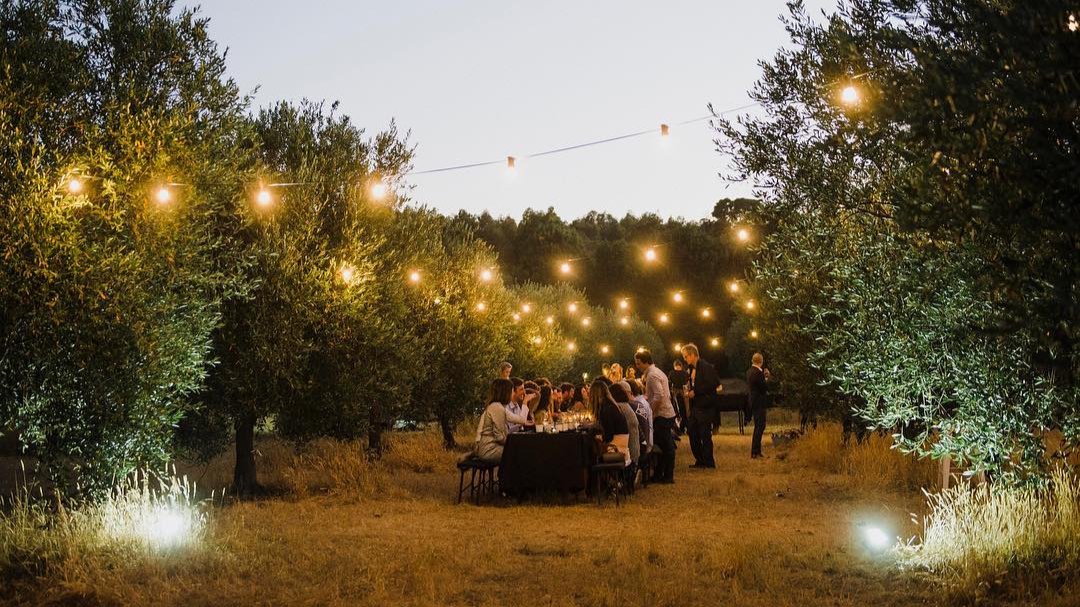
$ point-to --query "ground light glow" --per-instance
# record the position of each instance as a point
(876, 538)
(166, 527)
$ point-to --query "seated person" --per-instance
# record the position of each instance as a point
(579, 402)
(517, 410)
(567, 399)
(620, 392)
(614, 432)
(492, 430)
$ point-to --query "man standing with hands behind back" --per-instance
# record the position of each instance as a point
(757, 378)
(701, 392)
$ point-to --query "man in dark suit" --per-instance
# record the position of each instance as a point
(702, 385)
(757, 378)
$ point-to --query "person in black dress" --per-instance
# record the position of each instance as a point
(702, 385)
(757, 378)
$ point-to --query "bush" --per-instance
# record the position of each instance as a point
(872, 463)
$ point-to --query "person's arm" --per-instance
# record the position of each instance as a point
(518, 418)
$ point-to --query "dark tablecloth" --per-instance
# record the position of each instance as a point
(536, 461)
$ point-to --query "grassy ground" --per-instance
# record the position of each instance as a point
(775, 532)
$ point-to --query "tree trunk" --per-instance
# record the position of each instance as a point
(447, 433)
(245, 481)
(374, 440)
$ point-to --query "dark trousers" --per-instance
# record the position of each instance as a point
(665, 442)
(759, 428)
(701, 425)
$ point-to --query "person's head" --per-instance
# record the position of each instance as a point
(598, 395)
(542, 381)
(678, 365)
(545, 399)
(643, 360)
(530, 389)
(501, 391)
(690, 354)
(631, 373)
(757, 359)
(615, 372)
(620, 392)
(567, 390)
(635, 388)
(504, 370)
(581, 395)
(519, 389)
(604, 380)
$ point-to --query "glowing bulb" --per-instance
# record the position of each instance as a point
(565, 268)
(876, 538)
(849, 95)
(346, 274)
(750, 304)
(536, 340)
(571, 346)
(526, 308)
(550, 320)
(677, 297)
(438, 300)
(166, 527)
(486, 275)
(753, 334)
(605, 349)
(585, 322)
(75, 185)
(481, 306)
(664, 318)
(742, 234)
(715, 342)
(572, 307)
(584, 376)
(624, 304)
(678, 347)
(733, 286)
(650, 254)
(1073, 25)
(706, 313)
(264, 198)
(163, 195)
(379, 190)
(624, 321)
(516, 316)
(414, 277)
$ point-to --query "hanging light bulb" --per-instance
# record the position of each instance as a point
(750, 305)
(706, 313)
(550, 320)
(743, 235)
(379, 190)
(733, 286)
(586, 322)
(677, 297)
(163, 195)
(624, 321)
(347, 274)
(414, 277)
(511, 163)
(849, 95)
(715, 342)
(264, 198)
(526, 308)
(75, 185)
(605, 349)
(486, 275)
(753, 334)
(571, 346)
(624, 304)
(664, 318)
(536, 340)
(572, 307)
(640, 349)
(481, 306)
(650, 254)
(565, 267)
(516, 316)
(1072, 23)
(678, 348)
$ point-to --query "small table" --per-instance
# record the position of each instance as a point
(539, 461)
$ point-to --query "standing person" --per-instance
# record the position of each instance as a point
(677, 380)
(758, 378)
(504, 370)
(701, 392)
(658, 395)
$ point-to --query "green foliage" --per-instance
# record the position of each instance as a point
(107, 297)
(922, 245)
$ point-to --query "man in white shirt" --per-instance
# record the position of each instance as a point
(517, 412)
(658, 395)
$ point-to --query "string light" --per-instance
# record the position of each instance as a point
(624, 304)
(379, 190)
(1072, 24)
(664, 318)
(347, 274)
(605, 349)
(624, 321)
(414, 277)
(486, 275)
(550, 320)
(677, 297)
(516, 317)
(733, 286)
(640, 349)
(650, 254)
(678, 348)
(481, 306)
(526, 308)
(571, 346)
(264, 198)
(706, 313)
(750, 305)
(572, 307)
(163, 195)
(586, 322)
(536, 340)
(743, 235)
(715, 342)
(753, 334)
(511, 163)
(75, 185)
(565, 267)
(849, 95)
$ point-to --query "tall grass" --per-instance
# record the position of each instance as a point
(980, 537)
(872, 463)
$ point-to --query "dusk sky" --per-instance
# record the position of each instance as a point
(478, 81)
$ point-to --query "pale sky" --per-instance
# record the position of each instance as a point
(478, 81)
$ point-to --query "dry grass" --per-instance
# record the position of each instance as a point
(988, 537)
(356, 532)
(870, 464)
